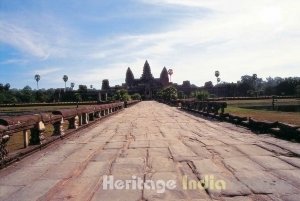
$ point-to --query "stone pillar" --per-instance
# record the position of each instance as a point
(36, 134)
(105, 96)
(85, 118)
(58, 128)
(100, 97)
(25, 138)
(3, 142)
(97, 114)
(74, 122)
(80, 120)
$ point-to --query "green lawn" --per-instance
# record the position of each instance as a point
(235, 107)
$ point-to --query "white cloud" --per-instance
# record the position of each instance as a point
(46, 71)
(240, 37)
(29, 42)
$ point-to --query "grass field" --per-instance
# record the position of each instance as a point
(236, 107)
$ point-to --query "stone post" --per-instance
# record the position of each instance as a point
(73, 122)
(85, 118)
(100, 97)
(37, 132)
(97, 115)
(58, 128)
(25, 138)
(3, 142)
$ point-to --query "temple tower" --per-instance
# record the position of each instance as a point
(164, 77)
(147, 75)
(129, 77)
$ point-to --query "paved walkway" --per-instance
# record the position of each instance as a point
(169, 150)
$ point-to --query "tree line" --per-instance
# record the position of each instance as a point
(248, 85)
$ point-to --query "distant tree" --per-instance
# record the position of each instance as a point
(6, 87)
(26, 95)
(37, 78)
(122, 95)
(201, 95)
(1, 87)
(40, 96)
(105, 84)
(72, 85)
(82, 88)
(136, 96)
(181, 95)
(208, 84)
(298, 90)
(169, 93)
(170, 72)
(65, 79)
(288, 86)
(217, 74)
(78, 97)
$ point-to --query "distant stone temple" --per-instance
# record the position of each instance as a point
(146, 85)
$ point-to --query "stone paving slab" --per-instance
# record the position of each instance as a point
(155, 142)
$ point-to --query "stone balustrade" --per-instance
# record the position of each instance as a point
(130, 103)
(216, 110)
(62, 121)
(204, 107)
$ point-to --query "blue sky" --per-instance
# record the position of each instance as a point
(91, 40)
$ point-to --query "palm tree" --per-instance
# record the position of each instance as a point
(254, 77)
(72, 85)
(37, 78)
(217, 74)
(65, 79)
(170, 72)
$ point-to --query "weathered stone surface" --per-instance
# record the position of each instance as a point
(206, 167)
(61, 171)
(134, 153)
(23, 175)
(34, 190)
(253, 150)
(291, 160)
(6, 191)
(226, 151)
(270, 163)
(231, 187)
(159, 152)
(176, 193)
(291, 176)
(161, 164)
(111, 194)
(139, 144)
(178, 149)
(114, 145)
(155, 141)
(238, 164)
(105, 155)
(261, 182)
(128, 166)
